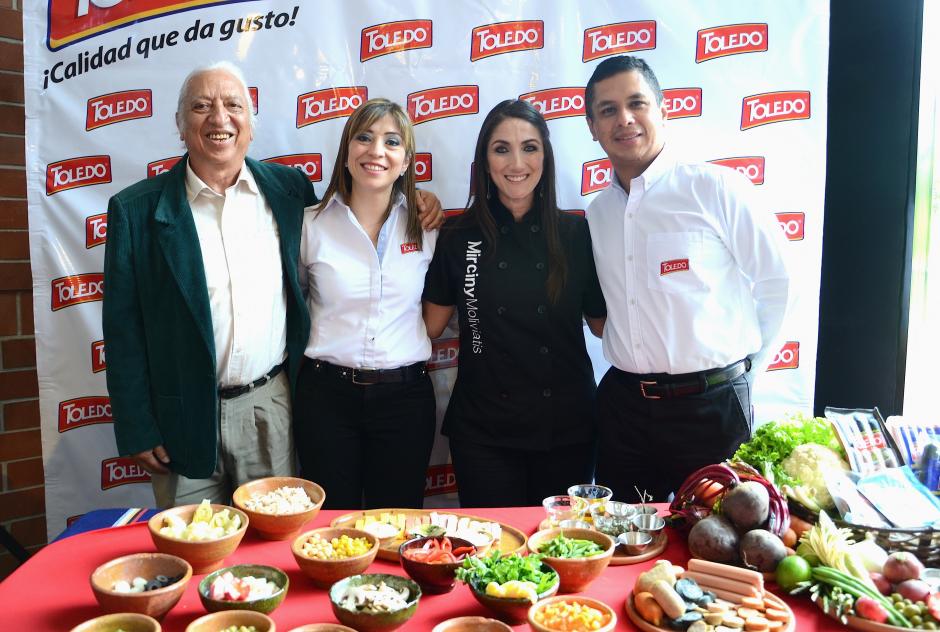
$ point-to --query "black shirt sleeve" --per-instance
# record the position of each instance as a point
(439, 282)
(594, 304)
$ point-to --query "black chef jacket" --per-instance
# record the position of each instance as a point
(524, 378)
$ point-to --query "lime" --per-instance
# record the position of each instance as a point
(792, 570)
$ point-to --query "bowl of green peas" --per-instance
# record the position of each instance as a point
(579, 556)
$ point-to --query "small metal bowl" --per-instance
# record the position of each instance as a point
(647, 523)
(634, 542)
(619, 509)
(645, 509)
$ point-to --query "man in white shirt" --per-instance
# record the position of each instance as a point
(696, 289)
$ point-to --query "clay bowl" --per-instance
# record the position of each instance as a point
(216, 621)
(325, 573)
(575, 573)
(433, 578)
(265, 605)
(511, 610)
(322, 627)
(585, 601)
(375, 621)
(471, 624)
(203, 555)
(127, 621)
(153, 603)
(278, 526)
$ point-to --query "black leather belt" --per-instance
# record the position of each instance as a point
(234, 391)
(660, 386)
(401, 374)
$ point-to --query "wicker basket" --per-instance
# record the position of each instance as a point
(923, 543)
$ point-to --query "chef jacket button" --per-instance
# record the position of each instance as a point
(539, 266)
(540, 309)
(502, 265)
(535, 228)
(503, 395)
(547, 392)
(504, 230)
(543, 350)
(500, 310)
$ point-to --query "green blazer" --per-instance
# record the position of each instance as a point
(161, 365)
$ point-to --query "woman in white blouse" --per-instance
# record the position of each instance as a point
(364, 412)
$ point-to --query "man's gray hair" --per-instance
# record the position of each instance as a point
(228, 67)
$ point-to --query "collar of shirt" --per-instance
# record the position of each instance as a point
(661, 165)
(195, 185)
(398, 207)
(503, 216)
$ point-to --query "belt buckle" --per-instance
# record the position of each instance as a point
(356, 381)
(643, 385)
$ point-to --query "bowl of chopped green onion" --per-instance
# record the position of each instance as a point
(578, 555)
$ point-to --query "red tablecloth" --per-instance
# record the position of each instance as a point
(51, 591)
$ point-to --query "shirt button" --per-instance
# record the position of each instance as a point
(500, 310)
(504, 395)
(539, 266)
(504, 230)
(633, 301)
(541, 309)
(547, 392)
(638, 345)
(629, 257)
(502, 265)
(629, 215)
(543, 350)
(535, 228)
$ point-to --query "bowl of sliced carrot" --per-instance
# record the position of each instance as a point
(432, 561)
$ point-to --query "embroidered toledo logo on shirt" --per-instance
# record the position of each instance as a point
(673, 265)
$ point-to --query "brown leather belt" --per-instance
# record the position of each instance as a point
(661, 386)
(365, 377)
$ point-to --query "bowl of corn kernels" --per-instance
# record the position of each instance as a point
(329, 554)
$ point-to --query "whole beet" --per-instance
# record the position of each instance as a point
(714, 539)
(746, 505)
(762, 550)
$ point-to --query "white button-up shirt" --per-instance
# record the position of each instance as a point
(242, 258)
(691, 268)
(365, 301)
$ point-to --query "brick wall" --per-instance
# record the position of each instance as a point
(22, 502)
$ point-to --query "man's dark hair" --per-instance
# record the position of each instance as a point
(614, 66)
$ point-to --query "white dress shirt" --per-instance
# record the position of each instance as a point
(242, 258)
(691, 268)
(365, 301)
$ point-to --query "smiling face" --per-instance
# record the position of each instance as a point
(627, 121)
(215, 124)
(377, 156)
(515, 158)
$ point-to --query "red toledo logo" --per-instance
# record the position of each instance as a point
(751, 167)
(574, 211)
(787, 358)
(311, 165)
(75, 289)
(122, 470)
(440, 480)
(117, 107)
(444, 353)
(595, 175)
(506, 37)
(673, 265)
(394, 37)
(423, 167)
(96, 230)
(253, 95)
(557, 102)
(84, 411)
(793, 225)
(97, 357)
(682, 102)
(733, 39)
(411, 246)
(437, 103)
(623, 37)
(157, 167)
(773, 107)
(323, 105)
(77, 172)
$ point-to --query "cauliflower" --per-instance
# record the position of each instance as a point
(806, 464)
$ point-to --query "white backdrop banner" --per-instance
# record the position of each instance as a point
(745, 86)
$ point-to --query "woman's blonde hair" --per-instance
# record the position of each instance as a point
(341, 181)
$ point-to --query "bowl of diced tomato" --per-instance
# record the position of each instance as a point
(432, 561)
(244, 587)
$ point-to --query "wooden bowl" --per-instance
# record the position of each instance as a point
(575, 573)
(278, 526)
(265, 605)
(153, 603)
(216, 621)
(127, 621)
(322, 627)
(585, 601)
(471, 624)
(375, 621)
(433, 578)
(511, 610)
(324, 573)
(204, 555)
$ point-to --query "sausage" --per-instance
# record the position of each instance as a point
(707, 580)
(731, 572)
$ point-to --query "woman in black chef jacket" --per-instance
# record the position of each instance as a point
(521, 275)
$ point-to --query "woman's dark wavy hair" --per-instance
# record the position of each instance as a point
(544, 203)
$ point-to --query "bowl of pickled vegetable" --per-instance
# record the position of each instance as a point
(233, 621)
(509, 585)
(127, 621)
(572, 614)
(328, 554)
(432, 561)
(203, 535)
(374, 602)
(578, 555)
(244, 587)
(145, 583)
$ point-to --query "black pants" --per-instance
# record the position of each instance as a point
(489, 476)
(654, 444)
(368, 443)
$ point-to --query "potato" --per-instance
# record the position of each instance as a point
(715, 539)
